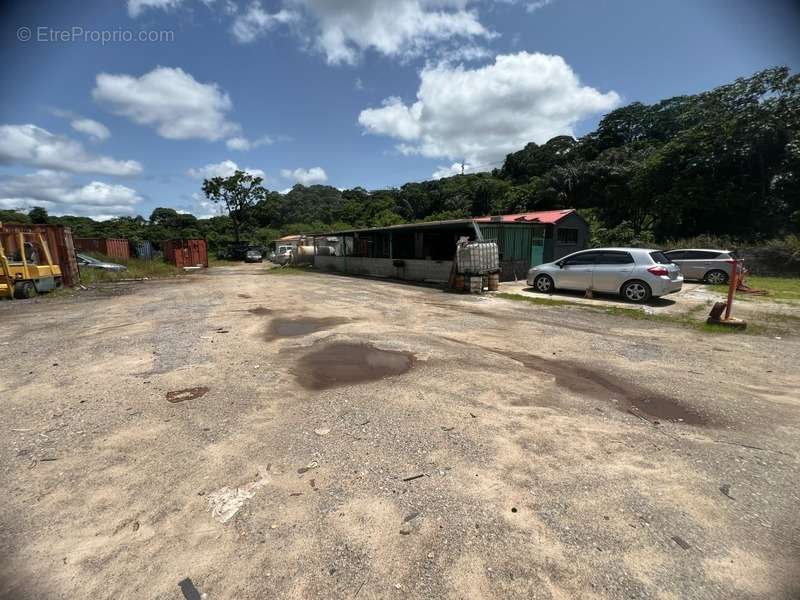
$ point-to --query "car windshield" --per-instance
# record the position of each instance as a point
(660, 258)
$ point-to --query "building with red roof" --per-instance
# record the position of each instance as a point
(424, 251)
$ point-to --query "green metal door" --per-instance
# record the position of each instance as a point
(537, 246)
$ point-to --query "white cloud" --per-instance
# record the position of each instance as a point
(537, 4)
(454, 169)
(136, 7)
(480, 115)
(33, 146)
(226, 168)
(310, 176)
(171, 100)
(60, 195)
(255, 22)
(202, 208)
(90, 127)
(394, 119)
(397, 28)
(344, 29)
(242, 143)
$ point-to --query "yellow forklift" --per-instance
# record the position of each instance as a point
(26, 266)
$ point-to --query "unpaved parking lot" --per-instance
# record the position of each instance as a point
(240, 434)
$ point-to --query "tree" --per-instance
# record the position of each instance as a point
(238, 194)
(38, 215)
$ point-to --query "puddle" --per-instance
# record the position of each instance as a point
(187, 394)
(347, 363)
(279, 328)
(601, 386)
(260, 311)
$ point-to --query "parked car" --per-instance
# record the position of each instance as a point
(712, 266)
(636, 274)
(89, 262)
(253, 256)
(283, 255)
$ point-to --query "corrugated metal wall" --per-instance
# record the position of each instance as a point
(59, 242)
(144, 250)
(186, 253)
(513, 241)
(111, 247)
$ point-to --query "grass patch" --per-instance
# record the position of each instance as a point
(534, 300)
(692, 319)
(779, 288)
(137, 269)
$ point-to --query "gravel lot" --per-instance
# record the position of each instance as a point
(244, 434)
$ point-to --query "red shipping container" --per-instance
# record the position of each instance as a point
(186, 253)
(114, 248)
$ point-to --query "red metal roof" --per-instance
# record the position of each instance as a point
(542, 216)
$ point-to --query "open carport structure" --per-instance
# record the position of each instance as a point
(424, 251)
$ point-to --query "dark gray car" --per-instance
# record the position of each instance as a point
(89, 262)
(712, 266)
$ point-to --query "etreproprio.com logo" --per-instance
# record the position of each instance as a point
(93, 36)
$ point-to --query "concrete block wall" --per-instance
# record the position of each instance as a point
(413, 270)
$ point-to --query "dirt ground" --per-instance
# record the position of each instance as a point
(242, 434)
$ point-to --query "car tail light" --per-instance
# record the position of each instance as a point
(658, 271)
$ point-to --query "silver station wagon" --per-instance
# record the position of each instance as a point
(636, 274)
(712, 266)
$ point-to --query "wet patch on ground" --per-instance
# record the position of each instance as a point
(624, 396)
(260, 311)
(187, 394)
(349, 363)
(244, 296)
(285, 327)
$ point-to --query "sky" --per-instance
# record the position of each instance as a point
(116, 107)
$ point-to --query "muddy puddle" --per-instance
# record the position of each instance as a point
(348, 363)
(187, 394)
(284, 327)
(623, 396)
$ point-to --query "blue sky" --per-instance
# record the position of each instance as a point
(345, 92)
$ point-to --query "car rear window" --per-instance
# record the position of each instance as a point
(660, 258)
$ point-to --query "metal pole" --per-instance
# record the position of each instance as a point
(732, 288)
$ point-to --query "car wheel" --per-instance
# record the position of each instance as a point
(24, 290)
(636, 291)
(716, 277)
(544, 284)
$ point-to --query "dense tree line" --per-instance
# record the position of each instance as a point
(724, 162)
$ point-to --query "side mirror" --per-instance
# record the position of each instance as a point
(560, 264)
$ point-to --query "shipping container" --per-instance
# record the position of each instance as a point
(113, 248)
(186, 253)
(144, 250)
(60, 243)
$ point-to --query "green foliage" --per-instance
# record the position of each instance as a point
(38, 215)
(13, 216)
(237, 193)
